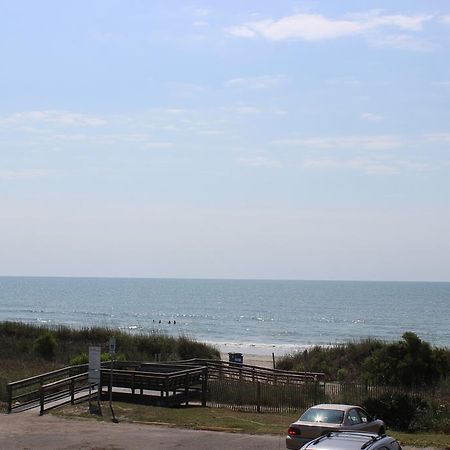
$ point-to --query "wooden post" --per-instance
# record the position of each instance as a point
(100, 388)
(258, 397)
(41, 400)
(186, 388)
(204, 386)
(72, 391)
(315, 389)
(273, 360)
(9, 388)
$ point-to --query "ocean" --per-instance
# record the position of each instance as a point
(255, 317)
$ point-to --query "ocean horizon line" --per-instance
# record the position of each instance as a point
(312, 280)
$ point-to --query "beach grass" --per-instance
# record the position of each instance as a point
(216, 419)
(27, 350)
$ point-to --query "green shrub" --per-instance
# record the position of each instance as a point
(45, 346)
(436, 418)
(407, 362)
(399, 411)
(83, 358)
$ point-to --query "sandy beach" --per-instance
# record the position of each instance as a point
(252, 360)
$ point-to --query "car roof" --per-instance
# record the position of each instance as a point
(348, 440)
(335, 406)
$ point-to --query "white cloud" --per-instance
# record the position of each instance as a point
(22, 174)
(374, 19)
(371, 117)
(281, 112)
(316, 27)
(156, 145)
(344, 81)
(202, 12)
(200, 24)
(248, 110)
(367, 166)
(308, 27)
(53, 117)
(344, 142)
(362, 165)
(175, 111)
(441, 83)
(242, 31)
(210, 132)
(438, 138)
(400, 42)
(258, 161)
(445, 19)
(258, 82)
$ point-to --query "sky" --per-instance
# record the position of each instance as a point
(225, 139)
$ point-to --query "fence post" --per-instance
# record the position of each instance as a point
(72, 391)
(166, 385)
(100, 386)
(204, 386)
(41, 400)
(315, 389)
(258, 396)
(9, 389)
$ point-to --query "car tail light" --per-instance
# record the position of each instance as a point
(293, 431)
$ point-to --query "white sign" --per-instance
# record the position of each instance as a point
(112, 345)
(94, 364)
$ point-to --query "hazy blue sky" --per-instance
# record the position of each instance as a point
(247, 139)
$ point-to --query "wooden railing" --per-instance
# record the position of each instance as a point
(62, 389)
(179, 382)
(183, 385)
(227, 370)
(28, 391)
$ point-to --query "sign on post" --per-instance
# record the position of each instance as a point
(94, 364)
(112, 345)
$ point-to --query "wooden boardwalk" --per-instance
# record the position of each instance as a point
(159, 384)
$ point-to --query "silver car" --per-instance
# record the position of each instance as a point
(352, 440)
(321, 419)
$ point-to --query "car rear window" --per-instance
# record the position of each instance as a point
(323, 415)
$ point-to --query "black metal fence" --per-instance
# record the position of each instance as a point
(269, 397)
(262, 397)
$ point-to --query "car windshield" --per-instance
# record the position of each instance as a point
(322, 415)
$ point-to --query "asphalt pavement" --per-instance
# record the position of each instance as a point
(27, 430)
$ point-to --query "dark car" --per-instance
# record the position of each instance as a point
(321, 419)
(352, 440)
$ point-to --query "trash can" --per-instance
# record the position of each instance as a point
(236, 358)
